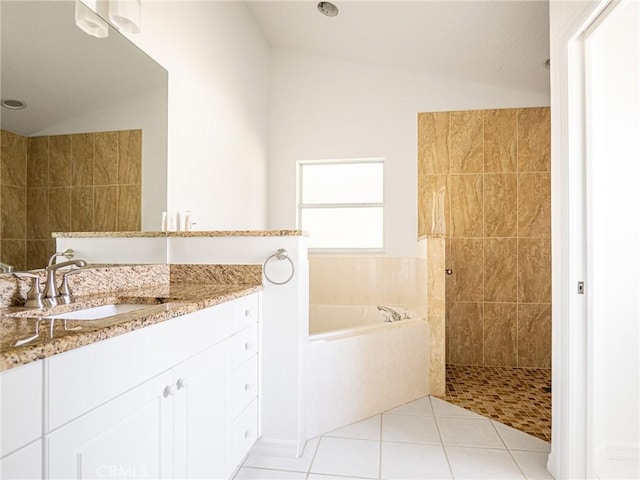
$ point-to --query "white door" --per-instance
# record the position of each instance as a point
(612, 141)
(200, 415)
(128, 437)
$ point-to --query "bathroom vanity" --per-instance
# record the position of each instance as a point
(169, 391)
(178, 389)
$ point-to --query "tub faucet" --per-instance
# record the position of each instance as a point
(391, 314)
(52, 294)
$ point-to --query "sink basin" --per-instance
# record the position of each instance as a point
(96, 313)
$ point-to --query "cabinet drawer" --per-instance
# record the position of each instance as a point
(245, 312)
(244, 384)
(244, 345)
(244, 432)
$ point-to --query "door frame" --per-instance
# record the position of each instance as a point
(571, 446)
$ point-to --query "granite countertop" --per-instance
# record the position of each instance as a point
(194, 233)
(165, 301)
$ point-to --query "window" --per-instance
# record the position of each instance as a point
(340, 203)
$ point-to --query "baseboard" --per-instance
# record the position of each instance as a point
(552, 466)
(276, 448)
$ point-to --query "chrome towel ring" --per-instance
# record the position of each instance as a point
(281, 254)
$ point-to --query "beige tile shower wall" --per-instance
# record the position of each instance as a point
(81, 182)
(436, 314)
(363, 280)
(13, 199)
(494, 166)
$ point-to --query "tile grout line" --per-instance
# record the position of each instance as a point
(508, 449)
(446, 455)
(517, 241)
(313, 457)
(380, 448)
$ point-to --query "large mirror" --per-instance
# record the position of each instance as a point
(89, 150)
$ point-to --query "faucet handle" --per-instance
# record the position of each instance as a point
(65, 294)
(35, 296)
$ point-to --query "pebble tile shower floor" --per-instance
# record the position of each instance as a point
(518, 397)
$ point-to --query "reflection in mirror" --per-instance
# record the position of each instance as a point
(89, 150)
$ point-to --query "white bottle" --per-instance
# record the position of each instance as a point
(163, 222)
(172, 221)
(188, 220)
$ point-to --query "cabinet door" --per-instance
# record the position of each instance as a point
(20, 407)
(26, 463)
(128, 437)
(200, 415)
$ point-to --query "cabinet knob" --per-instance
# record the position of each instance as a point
(181, 383)
(169, 391)
(247, 313)
(246, 434)
(247, 346)
(247, 387)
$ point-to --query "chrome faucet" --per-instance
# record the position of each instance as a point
(52, 294)
(68, 254)
(392, 315)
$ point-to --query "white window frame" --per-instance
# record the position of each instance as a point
(301, 206)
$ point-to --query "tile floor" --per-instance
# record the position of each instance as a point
(424, 439)
(518, 397)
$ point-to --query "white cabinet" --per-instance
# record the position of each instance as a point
(200, 384)
(25, 463)
(82, 379)
(21, 407)
(243, 390)
(21, 425)
(194, 416)
(244, 433)
(172, 426)
(128, 437)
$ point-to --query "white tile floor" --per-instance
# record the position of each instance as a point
(424, 439)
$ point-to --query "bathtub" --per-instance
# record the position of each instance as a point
(333, 318)
(359, 365)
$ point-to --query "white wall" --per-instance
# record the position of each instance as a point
(149, 113)
(324, 108)
(218, 64)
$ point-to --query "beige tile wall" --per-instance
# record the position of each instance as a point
(436, 315)
(364, 280)
(79, 182)
(495, 167)
(13, 199)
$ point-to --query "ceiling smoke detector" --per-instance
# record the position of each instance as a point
(13, 104)
(328, 9)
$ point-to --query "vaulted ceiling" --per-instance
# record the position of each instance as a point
(503, 43)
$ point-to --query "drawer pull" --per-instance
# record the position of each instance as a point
(247, 313)
(168, 391)
(247, 434)
(247, 387)
(247, 346)
(181, 383)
